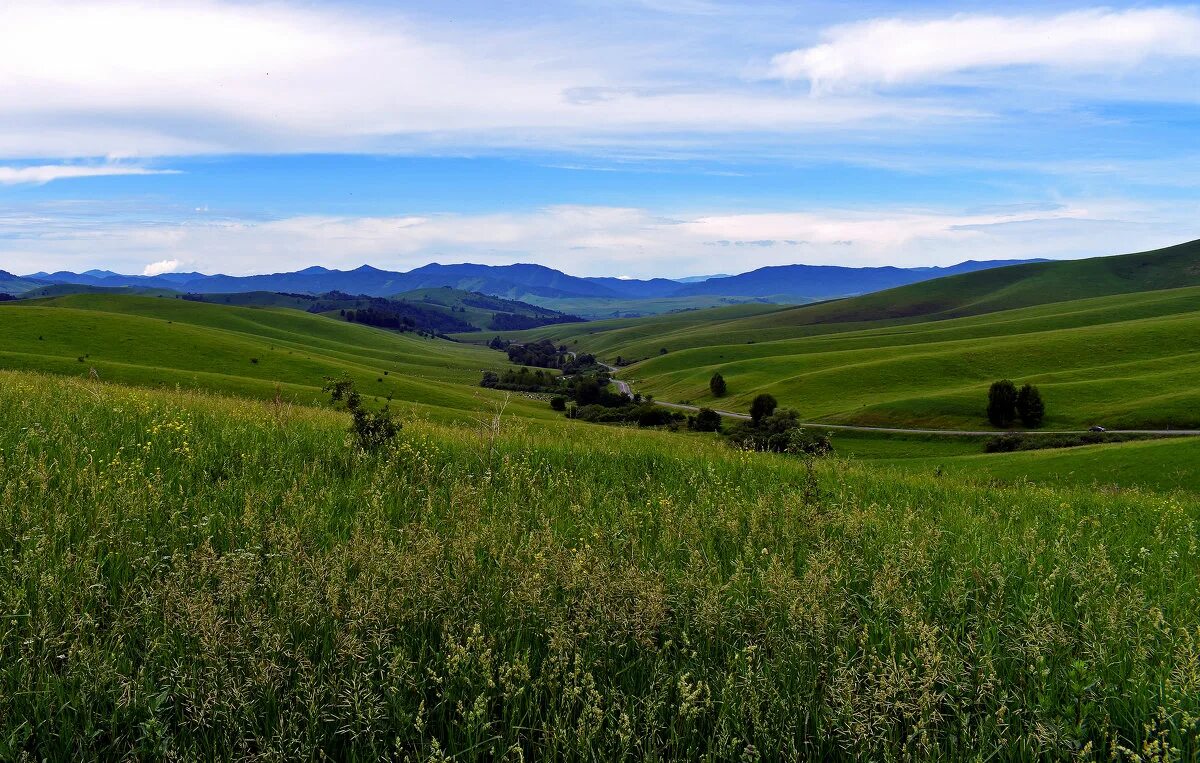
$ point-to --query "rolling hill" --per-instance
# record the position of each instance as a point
(259, 352)
(1108, 339)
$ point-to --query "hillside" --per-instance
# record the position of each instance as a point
(249, 351)
(483, 311)
(824, 281)
(1123, 360)
(969, 294)
(16, 285)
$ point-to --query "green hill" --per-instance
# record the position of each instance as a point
(1126, 361)
(483, 311)
(252, 351)
(977, 293)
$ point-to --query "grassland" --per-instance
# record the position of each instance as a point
(190, 577)
(1120, 361)
(248, 351)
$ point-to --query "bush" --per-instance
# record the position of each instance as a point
(372, 429)
(558, 403)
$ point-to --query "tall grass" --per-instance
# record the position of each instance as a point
(188, 577)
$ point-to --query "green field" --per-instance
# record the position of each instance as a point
(249, 351)
(1122, 361)
(192, 577)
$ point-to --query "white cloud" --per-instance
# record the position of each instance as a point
(160, 267)
(590, 240)
(892, 50)
(41, 174)
(143, 78)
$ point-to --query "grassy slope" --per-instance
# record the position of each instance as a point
(151, 341)
(1122, 361)
(445, 300)
(979, 293)
(1162, 465)
(232, 582)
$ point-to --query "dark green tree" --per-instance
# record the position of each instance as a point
(558, 403)
(707, 420)
(717, 385)
(764, 405)
(1030, 407)
(1002, 403)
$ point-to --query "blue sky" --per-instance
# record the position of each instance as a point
(664, 137)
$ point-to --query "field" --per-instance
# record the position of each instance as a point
(1121, 361)
(233, 579)
(256, 352)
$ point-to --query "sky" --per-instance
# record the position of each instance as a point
(633, 138)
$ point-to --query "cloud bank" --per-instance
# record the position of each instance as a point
(893, 51)
(599, 240)
(46, 173)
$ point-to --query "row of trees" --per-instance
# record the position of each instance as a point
(1006, 404)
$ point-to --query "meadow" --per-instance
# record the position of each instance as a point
(257, 352)
(189, 576)
(1121, 361)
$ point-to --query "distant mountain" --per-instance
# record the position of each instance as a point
(524, 281)
(698, 279)
(631, 288)
(14, 285)
(826, 281)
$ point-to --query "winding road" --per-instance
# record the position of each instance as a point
(624, 387)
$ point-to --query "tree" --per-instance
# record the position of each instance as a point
(764, 405)
(1002, 403)
(558, 403)
(707, 420)
(1030, 407)
(717, 385)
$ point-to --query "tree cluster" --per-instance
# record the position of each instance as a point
(523, 380)
(777, 430)
(542, 353)
(1007, 404)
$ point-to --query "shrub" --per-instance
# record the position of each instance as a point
(372, 429)
(558, 403)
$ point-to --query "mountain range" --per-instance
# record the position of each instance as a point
(521, 281)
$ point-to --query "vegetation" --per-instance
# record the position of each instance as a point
(717, 385)
(173, 342)
(930, 374)
(371, 429)
(705, 420)
(1002, 403)
(236, 583)
(764, 405)
(1030, 408)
